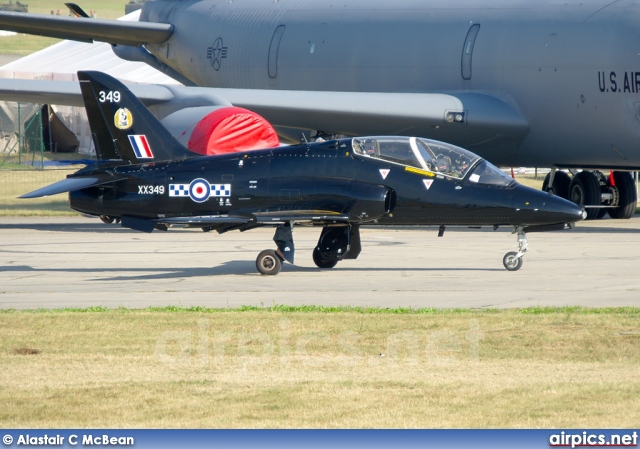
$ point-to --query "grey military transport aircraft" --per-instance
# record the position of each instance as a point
(537, 83)
(148, 180)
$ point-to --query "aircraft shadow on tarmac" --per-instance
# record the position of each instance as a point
(236, 267)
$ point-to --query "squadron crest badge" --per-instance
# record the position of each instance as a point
(123, 119)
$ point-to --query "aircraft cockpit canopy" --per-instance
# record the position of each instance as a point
(431, 155)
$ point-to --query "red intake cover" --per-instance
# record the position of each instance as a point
(231, 129)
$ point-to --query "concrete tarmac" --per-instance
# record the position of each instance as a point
(81, 262)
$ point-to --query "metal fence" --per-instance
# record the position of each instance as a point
(23, 140)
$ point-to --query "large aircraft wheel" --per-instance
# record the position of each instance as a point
(106, 219)
(268, 262)
(585, 191)
(628, 196)
(511, 262)
(561, 183)
(322, 262)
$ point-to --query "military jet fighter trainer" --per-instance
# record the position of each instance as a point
(531, 83)
(148, 180)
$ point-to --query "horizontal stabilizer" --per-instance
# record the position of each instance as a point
(87, 30)
(68, 185)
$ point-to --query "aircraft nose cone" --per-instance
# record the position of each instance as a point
(541, 208)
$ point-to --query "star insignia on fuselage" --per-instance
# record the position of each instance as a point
(217, 52)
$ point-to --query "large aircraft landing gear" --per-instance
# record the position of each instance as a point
(585, 191)
(513, 260)
(557, 182)
(627, 196)
(599, 193)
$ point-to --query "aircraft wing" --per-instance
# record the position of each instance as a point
(86, 30)
(68, 93)
(266, 218)
(225, 223)
(487, 121)
(304, 216)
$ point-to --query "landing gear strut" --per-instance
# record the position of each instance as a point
(336, 243)
(512, 261)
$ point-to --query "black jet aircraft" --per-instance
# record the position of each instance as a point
(148, 180)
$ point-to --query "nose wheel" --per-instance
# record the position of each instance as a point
(513, 260)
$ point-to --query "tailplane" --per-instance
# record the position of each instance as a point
(122, 127)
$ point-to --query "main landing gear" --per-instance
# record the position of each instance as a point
(600, 194)
(512, 261)
(269, 262)
(336, 243)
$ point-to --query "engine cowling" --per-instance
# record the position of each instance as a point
(222, 129)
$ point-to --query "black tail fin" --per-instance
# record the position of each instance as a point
(122, 127)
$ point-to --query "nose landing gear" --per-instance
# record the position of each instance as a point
(512, 261)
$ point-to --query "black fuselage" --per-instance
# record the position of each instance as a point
(320, 177)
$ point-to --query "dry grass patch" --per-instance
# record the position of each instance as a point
(312, 369)
(14, 183)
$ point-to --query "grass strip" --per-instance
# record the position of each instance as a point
(628, 311)
(315, 367)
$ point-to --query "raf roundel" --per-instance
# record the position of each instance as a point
(199, 190)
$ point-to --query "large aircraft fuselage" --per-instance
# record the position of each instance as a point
(572, 69)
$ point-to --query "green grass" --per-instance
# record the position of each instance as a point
(22, 44)
(317, 367)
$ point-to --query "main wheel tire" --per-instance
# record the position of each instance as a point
(322, 262)
(268, 262)
(561, 183)
(106, 219)
(585, 191)
(628, 196)
(511, 262)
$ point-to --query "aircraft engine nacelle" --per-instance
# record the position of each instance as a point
(211, 130)
(370, 201)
